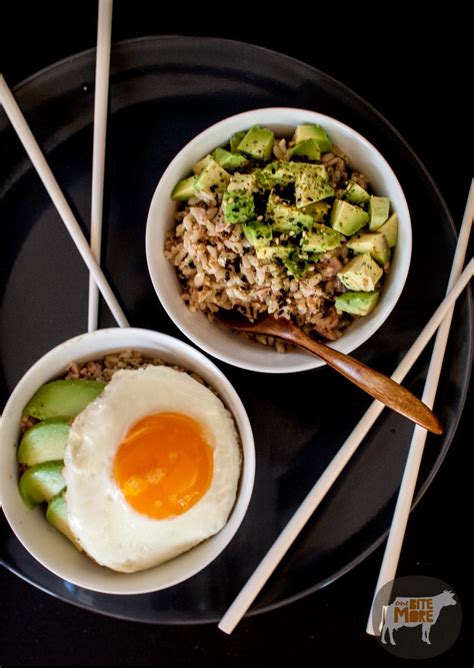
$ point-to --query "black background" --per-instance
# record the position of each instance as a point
(416, 72)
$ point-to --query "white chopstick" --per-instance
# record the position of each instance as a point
(279, 548)
(44, 172)
(393, 548)
(102, 68)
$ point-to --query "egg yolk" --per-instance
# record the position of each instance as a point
(164, 465)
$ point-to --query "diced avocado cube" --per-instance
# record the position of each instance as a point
(202, 164)
(321, 238)
(245, 184)
(296, 266)
(275, 174)
(356, 194)
(311, 184)
(238, 208)
(318, 210)
(379, 208)
(373, 243)
(306, 149)
(316, 132)
(390, 230)
(257, 143)
(286, 218)
(257, 234)
(212, 179)
(362, 273)
(272, 252)
(56, 514)
(357, 303)
(63, 398)
(41, 482)
(228, 160)
(184, 189)
(44, 442)
(236, 139)
(347, 218)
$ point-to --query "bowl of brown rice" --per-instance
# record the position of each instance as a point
(219, 235)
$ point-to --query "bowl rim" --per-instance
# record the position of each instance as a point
(14, 508)
(350, 340)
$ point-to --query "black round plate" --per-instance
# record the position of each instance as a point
(164, 91)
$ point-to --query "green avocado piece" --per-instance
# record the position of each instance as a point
(361, 274)
(43, 442)
(356, 194)
(311, 184)
(357, 303)
(235, 140)
(379, 208)
(257, 143)
(212, 179)
(321, 238)
(244, 184)
(238, 208)
(347, 218)
(373, 243)
(184, 189)
(296, 266)
(272, 252)
(287, 218)
(228, 160)
(63, 398)
(41, 482)
(318, 210)
(309, 148)
(56, 514)
(202, 164)
(257, 234)
(312, 131)
(390, 230)
(275, 174)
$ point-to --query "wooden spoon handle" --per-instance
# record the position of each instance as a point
(380, 387)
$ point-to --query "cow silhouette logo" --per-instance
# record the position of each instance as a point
(417, 617)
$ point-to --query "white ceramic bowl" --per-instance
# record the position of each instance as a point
(216, 339)
(48, 546)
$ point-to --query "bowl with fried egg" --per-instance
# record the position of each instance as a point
(126, 461)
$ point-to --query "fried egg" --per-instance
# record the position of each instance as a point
(152, 468)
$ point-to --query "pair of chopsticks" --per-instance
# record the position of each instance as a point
(457, 283)
(90, 255)
(441, 318)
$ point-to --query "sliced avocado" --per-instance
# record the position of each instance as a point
(275, 174)
(356, 194)
(41, 482)
(228, 160)
(257, 143)
(56, 514)
(357, 303)
(347, 218)
(63, 398)
(362, 273)
(311, 184)
(321, 238)
(184, 189)
(309, 148)
(316, 132)
(44, 442)
(373, 243)
(238, 208)
(236, 139)
(296, 266)
(272, 252)
(286, 218)
(318, 210)
(212, 179)
(257, 234)
(390, 230)
(244, 184)
(202, 164)
(379, 208)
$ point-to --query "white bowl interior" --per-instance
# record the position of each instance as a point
(48, 546)
(216, 339)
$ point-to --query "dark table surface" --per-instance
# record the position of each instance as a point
(417, 76)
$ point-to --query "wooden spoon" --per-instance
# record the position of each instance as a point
(380, 387)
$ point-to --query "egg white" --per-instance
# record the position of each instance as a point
(106, 526)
